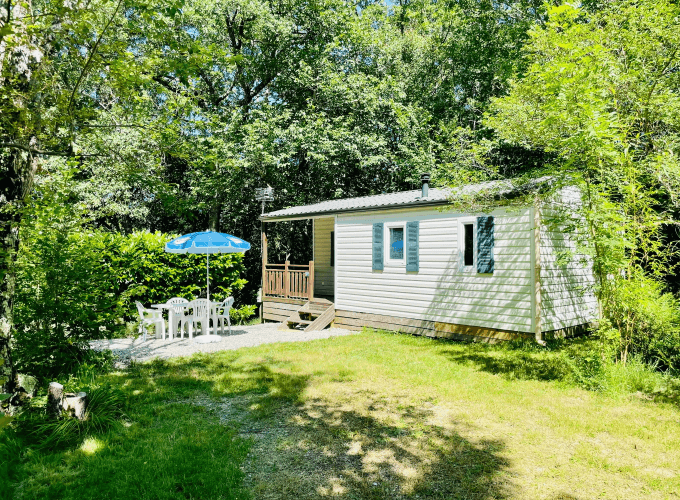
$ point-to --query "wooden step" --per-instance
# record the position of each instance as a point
(312, 310)
(321, 311)
(295, 319)
(316, 306)
(323, 320)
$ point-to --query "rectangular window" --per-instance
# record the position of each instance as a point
(332, 248)
(396, 243)
(378, 246)
(468, 242)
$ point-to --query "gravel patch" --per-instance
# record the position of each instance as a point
(125, 350)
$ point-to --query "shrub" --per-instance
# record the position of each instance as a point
(64, 294)
(240, 316)
(76, 284)
(105, 409)
(643, 321)
(145, 272)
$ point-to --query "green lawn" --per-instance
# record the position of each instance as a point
(369, 416)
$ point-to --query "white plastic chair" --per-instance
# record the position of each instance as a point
(149, 317)
(200, 314)
(222, 313)
(178, 314)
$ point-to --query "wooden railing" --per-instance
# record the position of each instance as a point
(290, 281)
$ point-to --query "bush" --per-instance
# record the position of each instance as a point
(145, 272)
(586, 362)
(65, 291)
(240, 316)
(643, 321)
(76, 284)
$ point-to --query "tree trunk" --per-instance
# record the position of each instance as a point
(18, 163)
(214, 222)
(16, 178)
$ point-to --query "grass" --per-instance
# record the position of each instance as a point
(371, 416)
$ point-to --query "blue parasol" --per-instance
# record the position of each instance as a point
(207, 242)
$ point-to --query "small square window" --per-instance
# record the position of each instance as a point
(397, 243)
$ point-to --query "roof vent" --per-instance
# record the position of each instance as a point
(425, 179)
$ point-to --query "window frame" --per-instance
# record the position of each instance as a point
(466, 221)
(388, 260)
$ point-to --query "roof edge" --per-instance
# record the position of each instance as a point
(539, 185)
(329, 213)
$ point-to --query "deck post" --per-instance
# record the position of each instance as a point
(264, 264)
(310, 285)
(286, 280)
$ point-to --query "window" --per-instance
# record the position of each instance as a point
(468, 245)
(332, 248)
(476, 244)
(396, 243)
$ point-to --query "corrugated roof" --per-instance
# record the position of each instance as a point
(382, 201)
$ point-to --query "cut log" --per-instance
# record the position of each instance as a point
(76, 405)
(55, 399)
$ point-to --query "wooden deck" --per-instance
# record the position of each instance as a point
(288, 281)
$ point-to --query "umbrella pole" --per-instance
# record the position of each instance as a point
(207, 274)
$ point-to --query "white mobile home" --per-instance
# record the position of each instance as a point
(406, 262)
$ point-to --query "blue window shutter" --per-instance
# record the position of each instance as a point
(485, 239)
(411, 238)
(378, 234)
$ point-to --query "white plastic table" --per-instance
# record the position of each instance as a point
(171, 319)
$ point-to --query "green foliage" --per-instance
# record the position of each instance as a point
(643, 320)
(76, 284)
(36, 429)
(602, 95)
(11, 451)
(585, 362)
(105, 411)
(145, 272)
(65, 291)
(241, 315)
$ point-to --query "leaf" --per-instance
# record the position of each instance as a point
(5, 420)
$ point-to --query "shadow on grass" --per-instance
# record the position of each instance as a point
(513, 364)
(577, 364)
(214, 426)
(366, 449)
(170, 447)
(357, 448)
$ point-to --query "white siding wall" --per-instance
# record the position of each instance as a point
(323, 272)
(439, 291)
(567, 297)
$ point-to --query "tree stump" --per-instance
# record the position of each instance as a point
(76, 404)
(55, 399)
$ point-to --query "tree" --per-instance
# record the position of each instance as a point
(62, 66)
(602, 93)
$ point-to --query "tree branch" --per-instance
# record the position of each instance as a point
(91, 56)
(34, 151)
